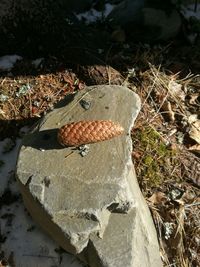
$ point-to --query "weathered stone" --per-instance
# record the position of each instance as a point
(81, 190)
(129, 239)
(75, 198)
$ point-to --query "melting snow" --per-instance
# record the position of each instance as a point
(188, 11)
(36, 63)
(7, 62)
(93, 15)
(7, 162)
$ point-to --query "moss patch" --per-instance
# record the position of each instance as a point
(156, 159)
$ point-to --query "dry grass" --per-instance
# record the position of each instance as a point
(159, 157)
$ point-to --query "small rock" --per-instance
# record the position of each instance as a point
(85, 104)
(84, 150)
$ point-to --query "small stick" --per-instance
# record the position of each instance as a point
(69, 154)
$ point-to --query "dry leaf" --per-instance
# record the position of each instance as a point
(191, 167)
(194, 131)
(157, 198)
(193, 98)
(136, 155)
(175, 89)
(118, 35)
(195, 148)
(192, 118)
(168, 109)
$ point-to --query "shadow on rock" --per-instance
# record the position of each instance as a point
(43, 140)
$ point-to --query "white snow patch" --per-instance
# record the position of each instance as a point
(7, 62)
(8, 163)
(36, 63)
(108, 9)
(188, 11)
(23, 241)
(93, 15)
(192, 37)
(27, 242)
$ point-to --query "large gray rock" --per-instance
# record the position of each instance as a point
(146, 20)
(75, 198)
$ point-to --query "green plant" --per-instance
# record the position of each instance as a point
(157, 158)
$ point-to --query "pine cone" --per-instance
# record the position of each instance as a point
(85, 132)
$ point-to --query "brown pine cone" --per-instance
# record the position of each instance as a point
(85, 132)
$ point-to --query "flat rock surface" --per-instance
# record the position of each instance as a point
(69, 195)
